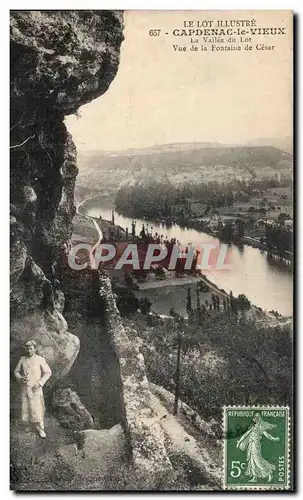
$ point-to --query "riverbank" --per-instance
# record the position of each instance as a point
(265, 281)
(86, 226)
(171, 293)
(196, 224)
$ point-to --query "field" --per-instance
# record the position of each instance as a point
(273, 200)
(173, 294)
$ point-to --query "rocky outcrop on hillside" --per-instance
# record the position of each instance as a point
(56, 344)
(143, 432)
(60, 60)
(70, 412)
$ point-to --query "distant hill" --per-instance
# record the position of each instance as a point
(192, 162)
(283, 143)
(164, 148)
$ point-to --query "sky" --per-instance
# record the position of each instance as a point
(162, 96)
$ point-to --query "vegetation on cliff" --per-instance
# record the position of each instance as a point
(225, 360)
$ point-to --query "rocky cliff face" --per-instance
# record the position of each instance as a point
(60, 60)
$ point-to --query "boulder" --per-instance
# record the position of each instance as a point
(69, 410)
(59, 347)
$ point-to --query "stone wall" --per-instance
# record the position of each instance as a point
(144, 435)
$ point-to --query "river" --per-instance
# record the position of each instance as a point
(267, 283)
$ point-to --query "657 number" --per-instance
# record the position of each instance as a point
(154, 32)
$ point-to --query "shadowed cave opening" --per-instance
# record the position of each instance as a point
(95, 374)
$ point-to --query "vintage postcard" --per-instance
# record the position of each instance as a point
(151, 254)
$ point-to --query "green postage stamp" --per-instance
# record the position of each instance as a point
(256, 447)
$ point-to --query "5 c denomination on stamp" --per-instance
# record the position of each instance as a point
(256, 448)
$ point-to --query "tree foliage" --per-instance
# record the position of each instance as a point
(225, 360)
(163, 199)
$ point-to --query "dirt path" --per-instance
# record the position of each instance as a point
(183, 444)
(33, 460)
(100, 235)
(99, 232)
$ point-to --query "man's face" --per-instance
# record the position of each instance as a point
(30, 350)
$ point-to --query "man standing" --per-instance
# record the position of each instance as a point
(32, 372)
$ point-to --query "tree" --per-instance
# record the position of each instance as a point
(172, 312)
(226, 233)
(127, 302)
(203, 287)
(140, 274)
(178, 373)
(283, 216)
(218, 302)
(257, 359)
(243, 303)
(188, 305)
(145, 305)
(198, 300)
(178, 342)
(240, 228)
(128, 280)
(233, 303)
(159, 272)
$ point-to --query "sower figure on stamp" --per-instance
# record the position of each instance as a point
(32, 372)
(257, 466)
